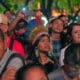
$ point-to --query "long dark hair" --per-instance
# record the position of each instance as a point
(71, 26)
(32, 51)
(37, 41)
(39, 38)
(72, 54)
(72, 60)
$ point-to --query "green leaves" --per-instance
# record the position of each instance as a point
(14, 5)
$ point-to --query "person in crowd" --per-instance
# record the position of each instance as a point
(10, 61)
(9, 15)
(55, 29)
(18, 38)
(72, 61)
(41, 52)
(41, 48)
(64, 35)
(17, 45)
(37, 15)
(34, 22)
(20, 29)
(64, 19)
(31, 72)
(74, 32)
(20, 33)
(13, 23)
(71, 68)
(4, 26)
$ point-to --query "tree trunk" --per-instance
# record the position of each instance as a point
(46, 9)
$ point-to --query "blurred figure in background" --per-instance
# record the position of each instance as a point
(65, 37)
(18, 39)
(32, 72)
(9, 15)
(71, 53)
(64, 19)
(74, 32)
(34, 22)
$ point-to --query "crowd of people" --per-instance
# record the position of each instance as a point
(31, 51)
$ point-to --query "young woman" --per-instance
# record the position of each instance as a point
(71, 54)
(41, 52)
(74, 32)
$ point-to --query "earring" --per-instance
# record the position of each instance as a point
(36, 52)
(49, 53)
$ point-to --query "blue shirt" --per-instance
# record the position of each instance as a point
(56, 44)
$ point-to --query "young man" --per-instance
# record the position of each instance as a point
(55, 34)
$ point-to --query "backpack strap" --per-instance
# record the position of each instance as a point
(11, 42)
(14, 55)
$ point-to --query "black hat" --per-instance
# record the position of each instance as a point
(21, 24)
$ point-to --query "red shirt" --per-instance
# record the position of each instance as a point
(17, 46)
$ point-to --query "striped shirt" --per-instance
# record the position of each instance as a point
(15, 62)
